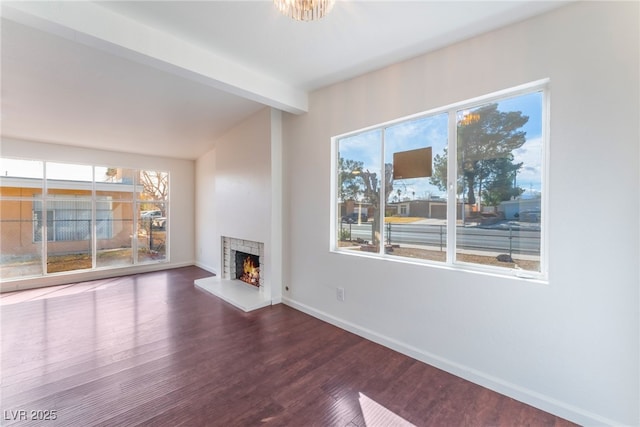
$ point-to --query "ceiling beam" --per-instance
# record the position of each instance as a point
(98, 27)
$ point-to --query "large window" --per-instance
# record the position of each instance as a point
(92, 217)
(400, 194)
(152, 213)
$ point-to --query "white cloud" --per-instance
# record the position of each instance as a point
(530, 154)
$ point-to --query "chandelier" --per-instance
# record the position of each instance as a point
(304, 10)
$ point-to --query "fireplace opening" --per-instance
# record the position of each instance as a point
(248, 268)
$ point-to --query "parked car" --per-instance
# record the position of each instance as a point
(352, 218)
(150, 214)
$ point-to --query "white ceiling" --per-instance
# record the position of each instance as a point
(169, 77)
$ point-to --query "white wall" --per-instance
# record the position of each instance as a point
(570, 347)
(234, 195)
(207, 237)
(181, 228)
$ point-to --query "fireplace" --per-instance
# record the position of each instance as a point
(247, 268)
(243, 260)
(252, 295)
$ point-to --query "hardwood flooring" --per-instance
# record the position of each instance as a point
(151, 349)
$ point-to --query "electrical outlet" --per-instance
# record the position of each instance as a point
(340, 294)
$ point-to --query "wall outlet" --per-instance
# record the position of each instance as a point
(340, 294)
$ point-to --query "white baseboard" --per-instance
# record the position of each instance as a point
(530, 397)
(209, 268)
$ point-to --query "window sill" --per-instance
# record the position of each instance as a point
(498, 272)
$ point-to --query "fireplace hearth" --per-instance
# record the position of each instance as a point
(246, 295)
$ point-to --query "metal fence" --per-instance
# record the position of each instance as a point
(506, 238)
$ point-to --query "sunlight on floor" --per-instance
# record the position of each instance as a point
(54, 291)
(377, 415)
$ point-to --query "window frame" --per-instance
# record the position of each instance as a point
(452, 262)
(43, 232)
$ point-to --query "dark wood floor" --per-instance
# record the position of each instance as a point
(152, 349)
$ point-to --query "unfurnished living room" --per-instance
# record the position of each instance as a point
(320, 213)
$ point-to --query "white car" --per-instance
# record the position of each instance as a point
(150, 214)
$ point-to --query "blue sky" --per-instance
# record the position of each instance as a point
(432, 131)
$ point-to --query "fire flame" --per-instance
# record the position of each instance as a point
(251, 272)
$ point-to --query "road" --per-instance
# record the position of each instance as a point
(520, 240)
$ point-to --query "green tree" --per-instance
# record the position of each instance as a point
(372, 195)
(355, 182)
(502, 186)
(486, 141)
(439, 172)
(349, 186)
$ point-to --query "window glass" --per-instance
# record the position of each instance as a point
(114, 231)
(69, 222)
(153, 221)
(21, 178)
(67, 256)
(481, 208)
(360, 182)
(20, 253)
(114, 216)
(114, 183)
(87, 219)
(153, 186)
(65, 179)
(18, 168)
(152, 232)
(416, 203)
(21, 184)
(69, 233)
(500, 177)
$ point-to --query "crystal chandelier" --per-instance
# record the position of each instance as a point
(304, 10)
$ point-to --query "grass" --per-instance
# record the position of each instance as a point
(58, 263)
(79, 261)
(401, 219)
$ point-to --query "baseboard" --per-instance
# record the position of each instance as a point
(277, 300)
(530, 397)
(209, 268)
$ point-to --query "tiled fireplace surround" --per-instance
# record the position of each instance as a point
(236, 292)
(229, 247)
